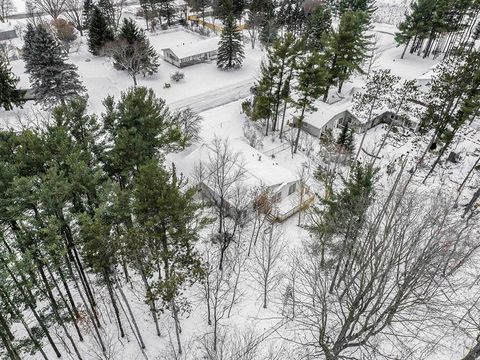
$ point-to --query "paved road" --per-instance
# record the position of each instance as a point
(214, 98)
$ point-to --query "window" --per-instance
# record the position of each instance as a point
(292, 188)
(277, 197)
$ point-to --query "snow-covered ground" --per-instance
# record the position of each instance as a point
(217, 96)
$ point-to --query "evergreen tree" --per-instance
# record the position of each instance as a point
(343, 212)
(268, 26)
(169, 225)
(167, 10)
(454, 100)
(87, 11)
(311, 81)
(230, 50)
(319, 23)
(264, 98)
(10, 96)
(53, 80)
(430, 18)
(367, 6)
(282, 56)
(99, 32)
(107, 8)
(291, 16)
(345, 139)
(346, 48)
(139, 128)
(27, 50)
(224, 8)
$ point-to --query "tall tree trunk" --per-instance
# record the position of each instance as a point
(132, 316)
(405, 49)
(114, 302)
(299, 125)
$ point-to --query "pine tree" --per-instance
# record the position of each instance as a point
(139, 128)
(346, 48)
(167, 10)
(345, 139)
(319, 23)
(224, 8)
(282, 56)
(311, 81)
(230, 50)
(53, 80)
(27, 50)
(263, 100)
(107, 8)
(99, 32)
(291, 16)
(87, 12)
(454, 100)
(268, 30)
(367, 6)
(10, 96)
(169, 224)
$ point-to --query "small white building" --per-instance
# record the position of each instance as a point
(192, 53)
(285, 190)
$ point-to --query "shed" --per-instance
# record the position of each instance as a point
(192, 53)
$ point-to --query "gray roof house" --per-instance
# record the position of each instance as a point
(331, 116)
(192, 53)
(7, 32)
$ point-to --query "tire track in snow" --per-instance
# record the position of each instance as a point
(215, 98)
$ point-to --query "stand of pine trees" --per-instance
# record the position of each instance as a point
(439, 26)
(83, 199)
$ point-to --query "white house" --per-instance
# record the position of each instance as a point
(192, 53)
(285, 190)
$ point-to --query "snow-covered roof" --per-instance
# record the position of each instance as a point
(325, 112)
(259, 168)
(7, 32)
(195, 48)
(427, 76)
(5, 27)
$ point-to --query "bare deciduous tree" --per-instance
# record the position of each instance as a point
(74, 14)
(54, 8)
(190, 124)
(130, 57)
(221, 176)
(6, 9)
(268, 255)
(393, 273)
